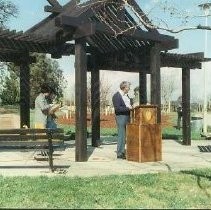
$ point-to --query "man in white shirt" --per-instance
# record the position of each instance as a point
(42, 107)
(122, 106)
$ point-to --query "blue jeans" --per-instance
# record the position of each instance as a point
(121, 121)
(50, 122)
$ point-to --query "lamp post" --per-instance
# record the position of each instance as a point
(206, 8)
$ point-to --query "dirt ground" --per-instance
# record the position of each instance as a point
(108, 121)
(8, 121)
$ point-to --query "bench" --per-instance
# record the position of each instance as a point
(26, 138)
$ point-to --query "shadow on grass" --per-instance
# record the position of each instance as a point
(199, 175)
(172, 136)
(32, 166)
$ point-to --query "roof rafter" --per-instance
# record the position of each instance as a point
(126, 51)
(68, 21)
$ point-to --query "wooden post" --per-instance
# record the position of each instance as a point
(81, 100)
(186, 130)
(24, 94)
(50, 150)
(155, 78)
(95, 103)
(142, 88)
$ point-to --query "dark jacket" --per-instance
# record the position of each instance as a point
(179, 111)
(119, 105)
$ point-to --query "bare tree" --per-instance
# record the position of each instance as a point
(168, 87)
(105, 91)
(149, 19)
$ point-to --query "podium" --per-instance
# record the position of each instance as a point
(143, 135)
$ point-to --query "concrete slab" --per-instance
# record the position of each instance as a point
(102, 161)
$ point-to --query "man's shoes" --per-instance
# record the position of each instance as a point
(122, 156)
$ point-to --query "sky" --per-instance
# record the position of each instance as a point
(30, 13)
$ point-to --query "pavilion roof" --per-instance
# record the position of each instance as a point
(126, 51)
(104, 25)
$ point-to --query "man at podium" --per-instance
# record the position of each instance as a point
(122, 106)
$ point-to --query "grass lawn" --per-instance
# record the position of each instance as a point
(187, 189)
(177, 190)
(170, 132)
(173, 133)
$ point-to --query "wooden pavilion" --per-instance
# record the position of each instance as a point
(97, 47)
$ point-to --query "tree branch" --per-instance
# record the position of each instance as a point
(139, 17)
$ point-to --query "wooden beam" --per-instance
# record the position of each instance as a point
(121, 66)
(84, 30)
(68, 21)
(155, 79)
(125, 60)
(81, 29)
(65, 21)
(186, 131)
(134, 60)
(180, 63)
(81, 100)
(191, 61)
(62, 49)
(22, 46)
(198, 55)
(56, 10)
(95, 103)
(142, 88)
(54, 3)
(15, 58)
(24, 94)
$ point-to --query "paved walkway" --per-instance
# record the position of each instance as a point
(102, 161)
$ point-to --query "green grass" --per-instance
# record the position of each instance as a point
(187, 189)
(173, 133)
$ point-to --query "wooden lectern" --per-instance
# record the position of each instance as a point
(143, 135)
